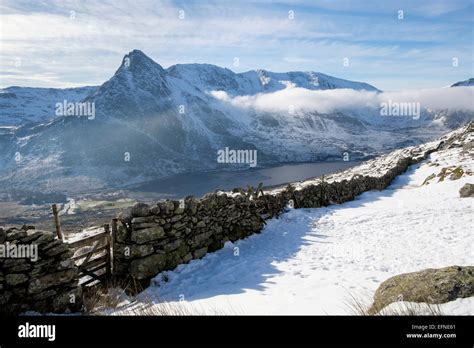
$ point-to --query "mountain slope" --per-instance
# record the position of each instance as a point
(21, 105)
(152, 122)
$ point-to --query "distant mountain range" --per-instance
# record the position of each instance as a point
(152, 122)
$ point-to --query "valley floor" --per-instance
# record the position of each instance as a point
(314, 261)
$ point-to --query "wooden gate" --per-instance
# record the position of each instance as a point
(93, 255)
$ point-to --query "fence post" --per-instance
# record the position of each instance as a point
(112, 245)
(56, 221)
(108, 267)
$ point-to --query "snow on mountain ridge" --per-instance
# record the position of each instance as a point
(21, 105)
(209, 77)
(167, 122)
(146, 85)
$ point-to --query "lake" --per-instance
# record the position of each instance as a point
(198, 184)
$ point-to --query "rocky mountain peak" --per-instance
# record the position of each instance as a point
(138, 62)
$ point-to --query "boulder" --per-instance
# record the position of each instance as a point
(432, 286)
(467, 190)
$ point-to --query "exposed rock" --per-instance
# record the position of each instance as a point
(430, 286)
(467, 190)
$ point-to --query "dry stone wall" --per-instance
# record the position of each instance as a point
(152, 239)
(37, 273)
(156, 238)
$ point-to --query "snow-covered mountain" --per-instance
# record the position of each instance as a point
(151, 122)
(21, 105)
(210, 78)
(468, 82)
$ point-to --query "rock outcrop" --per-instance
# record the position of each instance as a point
(467, 190)
(432, 286)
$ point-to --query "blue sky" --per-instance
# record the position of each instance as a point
(75, 43)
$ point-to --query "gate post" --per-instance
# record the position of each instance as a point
(56, 221)
(108, 267)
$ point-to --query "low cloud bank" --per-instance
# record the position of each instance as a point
(301, 99)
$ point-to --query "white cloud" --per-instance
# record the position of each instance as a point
(301, 99)
(90, 47)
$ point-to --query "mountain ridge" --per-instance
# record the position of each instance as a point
(152, 122)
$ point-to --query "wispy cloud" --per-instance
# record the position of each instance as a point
(83, 42)
(304, 100)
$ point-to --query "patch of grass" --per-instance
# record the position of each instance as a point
(454, 173)
(362, 306)
(87, 205)
(111, 299)
(428, 178)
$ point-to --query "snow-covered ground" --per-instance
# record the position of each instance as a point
(313, 261)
